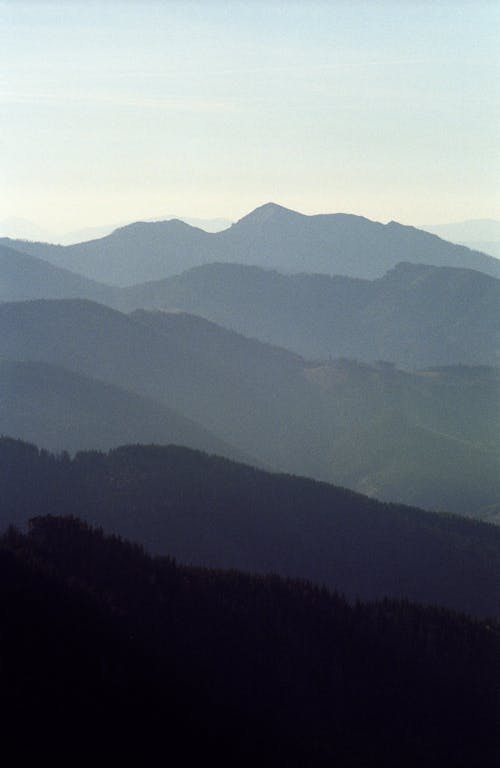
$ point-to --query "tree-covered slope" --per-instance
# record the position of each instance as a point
(107, 651)
(428, 438)
(209, 511)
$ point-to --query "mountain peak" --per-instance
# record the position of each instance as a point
(168, 225)
(268, 212)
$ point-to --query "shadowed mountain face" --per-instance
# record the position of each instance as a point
(414, 316)
(426, 438)
(271, 237)
(227, 668)
(210, 511)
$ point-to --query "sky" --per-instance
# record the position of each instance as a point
(118, 111)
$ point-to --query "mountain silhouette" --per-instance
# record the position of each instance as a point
(270, 236)
(415, 315)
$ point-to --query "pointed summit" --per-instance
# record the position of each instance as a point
(269, 212)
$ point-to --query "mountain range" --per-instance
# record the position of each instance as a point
(414, 315)
(270, 236)
(23, 229)
(425, 437)
(380, 383)
(210, 511)
(266, 429)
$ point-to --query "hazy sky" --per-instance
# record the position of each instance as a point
(115, 111)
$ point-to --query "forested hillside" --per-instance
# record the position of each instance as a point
(209, 511)
(427, 438)
(105, 649)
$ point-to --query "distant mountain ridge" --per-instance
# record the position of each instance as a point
(478, 234)
(18, 229)
(414, 316)
(270, 236)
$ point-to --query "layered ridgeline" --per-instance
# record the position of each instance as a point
(428, 437)
(148, 657)
(206, 510)
(414, 316)
(271, 236)
(480, 234)
(23, 276)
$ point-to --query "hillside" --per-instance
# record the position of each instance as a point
(209, 511)
(414, 316)
(61, 410)
(226, 383)
(270, 236)
(151, 656)
(428, 438)
(478, 234)
(25, 277)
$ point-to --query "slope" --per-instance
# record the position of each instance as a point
(134, 646)
(340, 244)
(414, 316)
(29, 277)
(271, 236)
(478, 234)
(349, 423)
(242, 390)
(210, 511)
(64, 411)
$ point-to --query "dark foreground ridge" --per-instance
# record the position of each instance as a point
(209, 511)
(106, 651)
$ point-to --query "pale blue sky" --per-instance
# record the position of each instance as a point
(115, 111)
